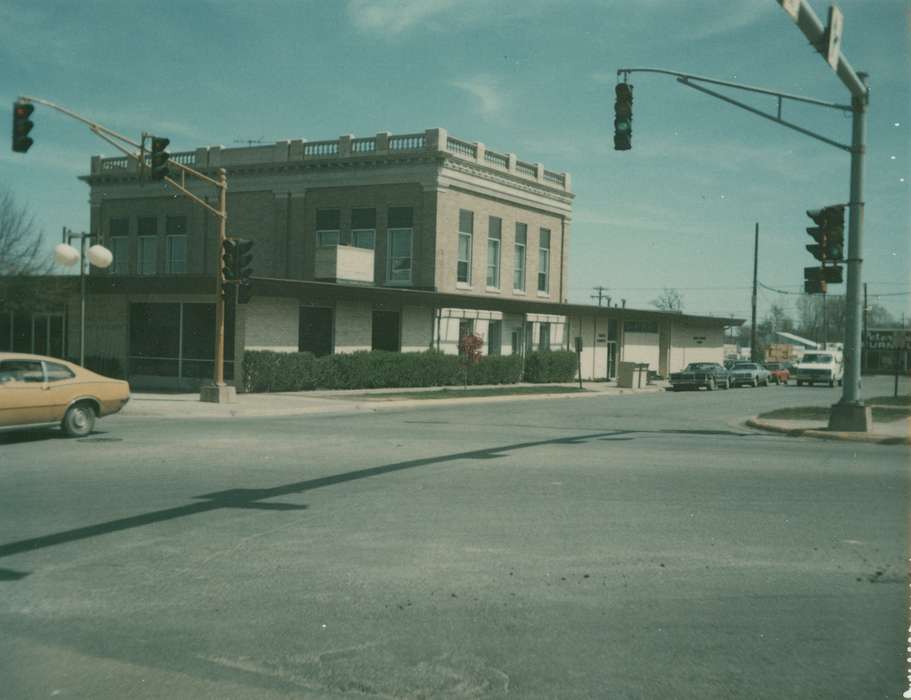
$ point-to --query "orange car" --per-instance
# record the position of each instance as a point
(38, 391)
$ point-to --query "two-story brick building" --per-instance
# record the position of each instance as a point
(395, 242)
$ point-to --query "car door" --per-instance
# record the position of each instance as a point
(23, 393)
(62, 388)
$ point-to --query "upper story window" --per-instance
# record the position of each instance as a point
(363, 228)
(518, 282)
(148, 245)
(544, 260)
(466, 233)
(328, 225)
(400, 244)
(494, 233)
(120, 251)
(176, 262)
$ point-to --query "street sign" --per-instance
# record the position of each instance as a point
(833, 34)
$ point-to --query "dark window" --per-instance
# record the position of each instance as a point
(315, 330)
(155, 330)
(640, 326)
(6, 331)
(177, 225)
(22, 333)
(363, 218)
(56, 373)
(466, 328)
(147, 226)
(495, 338)
(613, 329)
(544, 336)
(400, 217)
(328, 220)
(386, 331)
(119, 227)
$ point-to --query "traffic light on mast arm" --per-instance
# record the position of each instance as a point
(237, 260)
(22, 125)
(623, 117)
(829, 233)
(159, 158)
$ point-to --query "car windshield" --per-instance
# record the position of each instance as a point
(817, 357)
(699, 366)
(746, 365)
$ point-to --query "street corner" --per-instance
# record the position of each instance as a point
(821, 432)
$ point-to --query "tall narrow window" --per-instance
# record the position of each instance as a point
(518, 282)
(176, 261)
(400, 240)
(494, 232)
(120, 250)
(327, 227)
(466, 231)
(363, 228)
(495, 338)
(544, 260)
(147, 228)
(544, 336)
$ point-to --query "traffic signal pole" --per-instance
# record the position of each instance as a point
(219, 392)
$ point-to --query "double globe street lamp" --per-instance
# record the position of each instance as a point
(67, 255)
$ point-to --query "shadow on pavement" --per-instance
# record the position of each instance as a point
(253, 498)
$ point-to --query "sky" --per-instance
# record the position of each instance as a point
(531, 77)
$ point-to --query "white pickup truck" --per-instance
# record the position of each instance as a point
(822, 367)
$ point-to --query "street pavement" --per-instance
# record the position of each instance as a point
(616, 546)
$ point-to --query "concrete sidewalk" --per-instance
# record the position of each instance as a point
(183, 406)
(889, 433)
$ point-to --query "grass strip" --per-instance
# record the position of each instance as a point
(881, 414)
(451, 393)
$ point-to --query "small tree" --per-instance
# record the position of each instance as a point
(470, 352)
(669, 300)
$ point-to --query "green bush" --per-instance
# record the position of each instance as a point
(264, 370)
(551, 366)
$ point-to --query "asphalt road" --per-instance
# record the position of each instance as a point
(611, 547)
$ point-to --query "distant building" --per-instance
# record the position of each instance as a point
(392, 242)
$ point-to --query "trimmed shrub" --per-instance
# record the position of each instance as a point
(551, 366)
(264, 370)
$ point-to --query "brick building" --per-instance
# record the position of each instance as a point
(395, 242)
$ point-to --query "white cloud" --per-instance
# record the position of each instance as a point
(392, 17)
(486, 90)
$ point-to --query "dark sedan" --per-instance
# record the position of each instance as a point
(711, 375)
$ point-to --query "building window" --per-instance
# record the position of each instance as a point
(495, 338)
(544, 336)
(120, 251)
(466, 232)
(119, 227)
(386, 331)
(543, 260)
(518, 282)
(494, 232)
(177, 255)
(399, 244)
(466, 328)
(363, 228)
(148, 247)
(328, 225)
(640, 326)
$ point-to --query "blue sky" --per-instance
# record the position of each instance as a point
(533, 77)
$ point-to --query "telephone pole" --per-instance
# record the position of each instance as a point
(754, 353)
(600, 295)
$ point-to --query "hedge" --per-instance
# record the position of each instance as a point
(264, 370)
(551, 366)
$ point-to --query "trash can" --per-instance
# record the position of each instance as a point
(632, 375)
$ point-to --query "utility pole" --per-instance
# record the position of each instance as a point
(863, 335)
(600, 295)
(825, 320)
(754, 353)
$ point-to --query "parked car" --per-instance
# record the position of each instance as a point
(780, 371)
(711, 375)
(749, 374)
(37, 391)
(820, 367)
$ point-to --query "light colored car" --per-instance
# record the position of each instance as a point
(38, 391)
(749, 374)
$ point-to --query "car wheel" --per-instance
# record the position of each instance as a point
(79, 420)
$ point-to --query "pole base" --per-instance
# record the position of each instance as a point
(851, 418)
(215, 393)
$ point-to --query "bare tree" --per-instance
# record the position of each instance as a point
(669, 300)
(21, 244)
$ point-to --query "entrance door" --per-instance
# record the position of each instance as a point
(386, 331)
(611, 359)
(315, 330)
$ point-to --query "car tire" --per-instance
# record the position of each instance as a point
(79, 420)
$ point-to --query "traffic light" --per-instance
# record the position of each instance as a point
(22, 125)
(829, 233)
(623, 117)
(237, 260)
(160, 158)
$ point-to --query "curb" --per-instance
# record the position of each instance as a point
(825, 434)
